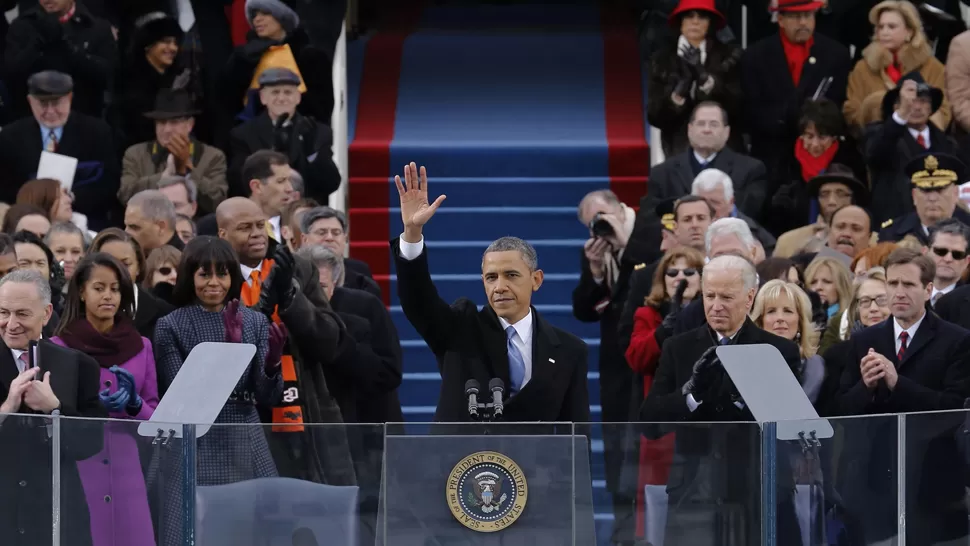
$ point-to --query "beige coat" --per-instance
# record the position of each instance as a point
(958, 79)
(139, 172)
(868, 83)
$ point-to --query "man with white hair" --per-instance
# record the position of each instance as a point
(691, 385)
(717, 187)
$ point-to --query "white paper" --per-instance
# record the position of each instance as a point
(57, 166)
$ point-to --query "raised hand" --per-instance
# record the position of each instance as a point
(233, 321)
(274, 355)
(415, 208)
(126, 383)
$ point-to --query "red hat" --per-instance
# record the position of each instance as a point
(706, 6)
(798, 5)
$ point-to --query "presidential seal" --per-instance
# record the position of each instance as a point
(486, 491)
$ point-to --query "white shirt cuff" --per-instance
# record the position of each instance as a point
(692, 404)
(898, 119)
(410, 251)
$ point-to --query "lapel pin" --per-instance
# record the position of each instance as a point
(553, 360)
(811, 60)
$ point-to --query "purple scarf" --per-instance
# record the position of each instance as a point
(114, 348)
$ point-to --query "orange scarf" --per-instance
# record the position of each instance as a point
(288, 415)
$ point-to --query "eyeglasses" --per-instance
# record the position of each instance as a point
(165, 270)
(942, 252)
(881, 301)
(673, 272)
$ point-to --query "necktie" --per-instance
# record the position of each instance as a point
(254, 278)
(935, 298)
(516, 362)
(920, 140)
(23, 361)
(903, 338)
(270, 232)
(51, 145)
(724, 341)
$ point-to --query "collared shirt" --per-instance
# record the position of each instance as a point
(940, 292)
(16, 358)
(248, 271)
(523, 328)
(275, 222)
(704, 162)
(897, 330)
(915, 134)
(45, 135)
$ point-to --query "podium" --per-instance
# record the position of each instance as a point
(487, 485)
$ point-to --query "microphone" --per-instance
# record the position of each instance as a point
(497, 387)
(471, 391)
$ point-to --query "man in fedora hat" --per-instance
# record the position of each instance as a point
(307, 142)
(54, 127)
(934, 179)
(174, 152)
(905, 133)
(779, 73)
(835, 188)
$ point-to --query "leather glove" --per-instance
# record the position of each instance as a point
(283, 265)
(682, 89)
(268, 301)
(233, 322)
(274, 355)
(126, 382)
(667, 327)
(700, 377)
(820, 315)
(116, 401)
(691, 55)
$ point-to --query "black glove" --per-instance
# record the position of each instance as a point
(283, 264)
(667, 327)
(682, 89)
(700, 377)
(820, 314)
(691, 55)
(268, 300)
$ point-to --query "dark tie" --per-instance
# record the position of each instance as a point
(920, 140)
(903, 338)
(724, 341)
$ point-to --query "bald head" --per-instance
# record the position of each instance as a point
(243, 223)
(850, 230)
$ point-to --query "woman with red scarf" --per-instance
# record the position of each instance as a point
(98, 322)
(898, 47)
(823, 141)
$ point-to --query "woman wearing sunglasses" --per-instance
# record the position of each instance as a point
(676, 282)
(161, 265)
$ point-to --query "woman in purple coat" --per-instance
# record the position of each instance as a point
(97, 321)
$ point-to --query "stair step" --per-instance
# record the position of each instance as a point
(486, 222)
(560, 316)
(418, 358)
(492, 192)
(447, 257)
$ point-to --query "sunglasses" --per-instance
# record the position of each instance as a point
(942, 252)
(165, 270)
(673, 272)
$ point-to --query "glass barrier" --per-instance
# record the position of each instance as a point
(847, 481)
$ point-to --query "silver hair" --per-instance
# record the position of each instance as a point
(29, 276)
(709, 180)
(506, 244)
(316, 214)
(730, 226)
(190, 188)
(606, 196)
(154, 205)
(735, 264)
(321, 256)
(70, 229)
(296, 180)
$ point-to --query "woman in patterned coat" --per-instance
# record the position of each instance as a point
(209, 282)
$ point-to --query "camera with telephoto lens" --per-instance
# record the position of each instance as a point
(923, 91)
(600, 227)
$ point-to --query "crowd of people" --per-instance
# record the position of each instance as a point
(812, 198)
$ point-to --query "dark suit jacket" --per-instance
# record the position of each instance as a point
(98, 170)
(772, 101)
(25, 484)
(909, 224)
(371, 360)
(955, 307)
(934, 375)
(471, 344)
(357, 275)
(149, 310)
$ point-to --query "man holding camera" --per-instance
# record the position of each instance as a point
(607, 260)
(905, 133)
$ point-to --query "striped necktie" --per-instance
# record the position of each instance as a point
(516, 362)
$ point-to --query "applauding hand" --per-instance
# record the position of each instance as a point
(415, 209)
(232, 319)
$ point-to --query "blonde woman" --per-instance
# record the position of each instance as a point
(899, 46)
(830, 279)
(784, 309)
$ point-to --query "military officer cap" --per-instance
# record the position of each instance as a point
(49, 84)
(278, 76)
(935, 171)
(665, 211)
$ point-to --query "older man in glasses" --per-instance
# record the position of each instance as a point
(948, 250)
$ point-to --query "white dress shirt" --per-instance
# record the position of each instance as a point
(16, 358)
(915, 134)
(897, 330)
(523, 328)
(275, 222)
(940, 292)
(704, 162)
(247, 271)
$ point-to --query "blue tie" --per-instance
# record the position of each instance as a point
(516, 363)
(724, 341)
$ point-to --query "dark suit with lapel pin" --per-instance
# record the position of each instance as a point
(470, 344)
(25, 450)
(98, 173)
(772, 101)
(933, 375)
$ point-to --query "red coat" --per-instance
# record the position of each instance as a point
(643, 356)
